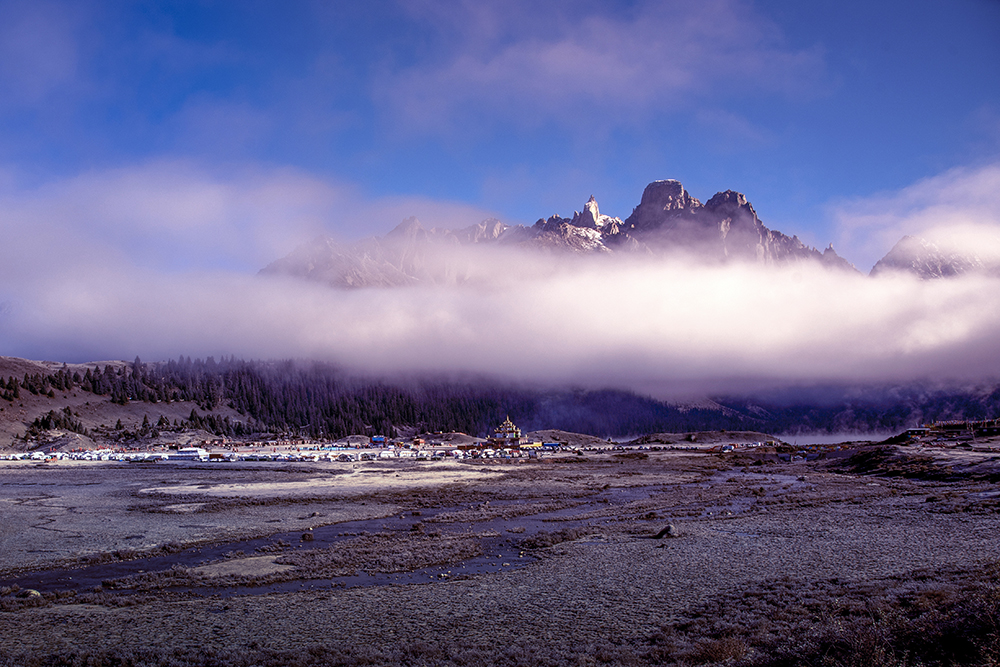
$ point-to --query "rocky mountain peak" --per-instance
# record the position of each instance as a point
(668, 195)
(485, 232)
(831, 259)
(590, 216)
(728, 201)
(667, 221)
(922, 258)
(408, 229)
(660, 201)
(734, 216)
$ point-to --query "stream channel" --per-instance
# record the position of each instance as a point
(501, 547)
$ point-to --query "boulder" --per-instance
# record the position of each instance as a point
(669, 531)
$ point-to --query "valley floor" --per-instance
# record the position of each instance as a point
(772, 563)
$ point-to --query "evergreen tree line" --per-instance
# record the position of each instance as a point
(321, 400)
(213, 423)
(37, 384)
(63, 419)
(109, 381)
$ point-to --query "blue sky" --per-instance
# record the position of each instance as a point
(520, 109)
(178, 146)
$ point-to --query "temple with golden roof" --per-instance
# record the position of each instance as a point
(505, 435)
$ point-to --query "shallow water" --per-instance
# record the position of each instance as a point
(501, 550)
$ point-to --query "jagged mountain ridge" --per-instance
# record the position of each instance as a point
(724, 228)
(928, 260)
(668, 220)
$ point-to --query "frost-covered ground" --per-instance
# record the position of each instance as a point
(771, 559)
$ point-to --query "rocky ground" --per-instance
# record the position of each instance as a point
(887, 558)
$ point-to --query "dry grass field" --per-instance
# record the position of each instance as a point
(888, 558)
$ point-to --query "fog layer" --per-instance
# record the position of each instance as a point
(123, 285)
(642, 325)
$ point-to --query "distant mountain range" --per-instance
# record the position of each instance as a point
(668, 221)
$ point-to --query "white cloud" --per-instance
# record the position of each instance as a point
(162, 213)
(531, 63)
(125, 262)
(177, 215)
(957, 210)
(655, 326)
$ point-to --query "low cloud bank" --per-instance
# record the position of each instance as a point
(87, 276)
(655, 328)
(176, 216)
(956, 210)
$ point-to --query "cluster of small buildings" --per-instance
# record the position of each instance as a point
(83, 455)
(952, 432)
(733, 446)
(506, 442)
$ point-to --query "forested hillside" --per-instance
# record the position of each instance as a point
(322, 400)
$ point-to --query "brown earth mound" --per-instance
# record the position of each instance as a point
(704, 438)
(454, 439)
(568, 438)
